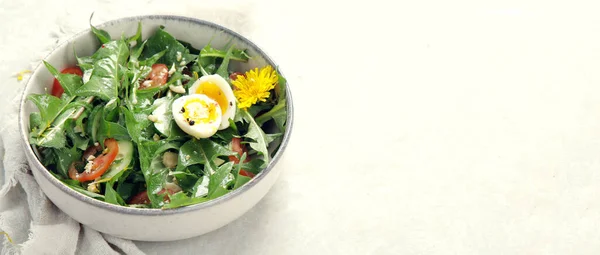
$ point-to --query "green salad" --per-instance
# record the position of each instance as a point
(157, 123)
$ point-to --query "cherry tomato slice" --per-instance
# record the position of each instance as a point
(73, 169)
(237, 146)
(100, 165)
(246, 173)
(140, 198)
(57, 89)
(157, 77)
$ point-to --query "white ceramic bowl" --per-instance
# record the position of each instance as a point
(150, 224)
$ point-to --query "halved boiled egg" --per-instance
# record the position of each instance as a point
(197, 114)
(217, 88)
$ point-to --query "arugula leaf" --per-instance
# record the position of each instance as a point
(261, 140)
(279, 112)
(200, 188)
(254, 166)
(135, 54)
(79, 122)
(176, 133)
(125, 189)
(219, 191)
(48, 105)
(272, 137)
(223, 68)
(280, 87)
(69, 82)
(185, 179)
(207, 59)
(175, 53)
(203, 151)
(85, 63)
(138, 74)
(135, 123)
(111, 195)
(241, 180)
(54, 113)
(189, 47)
(155, 173)
(106, 75)
(86, 192)
(224, 136)
(216, 187)
(206, 64)
(108, 129)
(77, 187)
(78, 139)
(236, 54)
(180, 199)
(259, 108)
(125, 84)
(35, 121)
(94, 122)
(102, 35)
(238, 166)
(153, 59)
(138, 34)
(280, 118)
(64, 158)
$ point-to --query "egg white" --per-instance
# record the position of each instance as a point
(163, 123)
(225, 89)
(198, 130)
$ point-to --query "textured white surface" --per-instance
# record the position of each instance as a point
(428, 127)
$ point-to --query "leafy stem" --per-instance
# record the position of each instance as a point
(268, 115)
(222, 55)
(204, 73)
(62, 109)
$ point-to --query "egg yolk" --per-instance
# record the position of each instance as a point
(213, 91)
(196, 111)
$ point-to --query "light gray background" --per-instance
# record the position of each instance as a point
(422, 127)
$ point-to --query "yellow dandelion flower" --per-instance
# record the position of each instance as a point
(254, 86)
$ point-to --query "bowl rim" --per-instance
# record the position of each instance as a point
(156, 211)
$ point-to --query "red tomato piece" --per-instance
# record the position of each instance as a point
(140, 198)
(57, 89)
(100, 163)
(239, 148)
(157, 77)
(246, 173)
